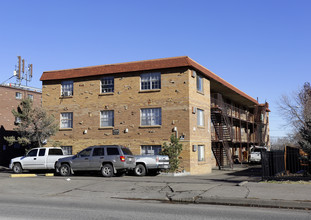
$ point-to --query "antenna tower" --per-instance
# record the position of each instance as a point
(20, 72)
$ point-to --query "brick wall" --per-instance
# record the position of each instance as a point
(8, 102)
(176, 98)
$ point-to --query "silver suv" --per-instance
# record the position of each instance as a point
(109, 159)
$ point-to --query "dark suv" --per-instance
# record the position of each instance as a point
(109, 159)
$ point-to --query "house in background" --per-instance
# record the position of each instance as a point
(140, 104)
(10, 97)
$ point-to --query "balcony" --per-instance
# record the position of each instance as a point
(232, 111)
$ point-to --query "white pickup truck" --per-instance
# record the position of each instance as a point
(151, 164)
(43, 158)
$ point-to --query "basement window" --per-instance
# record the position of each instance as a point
(150, 149)
(67, 150)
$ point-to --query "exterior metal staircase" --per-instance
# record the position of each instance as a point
(223, 132)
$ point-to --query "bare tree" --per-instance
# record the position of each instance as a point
(296, 110)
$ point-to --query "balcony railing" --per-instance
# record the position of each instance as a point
(232, 111)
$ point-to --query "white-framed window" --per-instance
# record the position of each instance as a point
(200, 117)
(67, 150)
(199, 83)
(107, 84)
(18, 95)
(107, 118)
(150, 116)
(30, 96)
(67, 88)
(150, 149)
(149, 81)
(201, 152)
(66, 120)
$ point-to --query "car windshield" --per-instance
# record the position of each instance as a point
(126, 151)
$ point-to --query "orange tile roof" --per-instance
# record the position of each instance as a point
(145, 65)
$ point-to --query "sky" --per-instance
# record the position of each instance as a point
(261, 47)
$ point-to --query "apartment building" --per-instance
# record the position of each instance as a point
(140, 104)
(10, 97)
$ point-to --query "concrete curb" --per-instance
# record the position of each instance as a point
(22, 175)
(30, 175)
(305, 205)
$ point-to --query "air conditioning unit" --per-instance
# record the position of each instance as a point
(67, 93)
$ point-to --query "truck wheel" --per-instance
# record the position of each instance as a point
(140, 170)
(17, 168)
(107, 170)
(64, 170)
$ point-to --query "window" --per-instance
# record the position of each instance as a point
(150, 116)
(18, 95)
(150, 81)
(32, 153)
(66, 120)
(86, 152)
(201, 153)
(150, 149)
(107, 118)
(199, 83)
(30, 96)
(126, 151)
(67, 88)
(67, 150)
(200, 117)
(55, 152)
(41, 152)
(112, 151)
(107, 84)
(100, 151)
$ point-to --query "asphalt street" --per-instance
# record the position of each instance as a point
(89, 194)
(105, 208)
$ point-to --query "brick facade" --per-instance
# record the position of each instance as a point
(177, 86)
(178, 98)
(9, 100)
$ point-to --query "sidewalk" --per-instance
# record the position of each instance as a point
(236, 187)
(273, 195)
